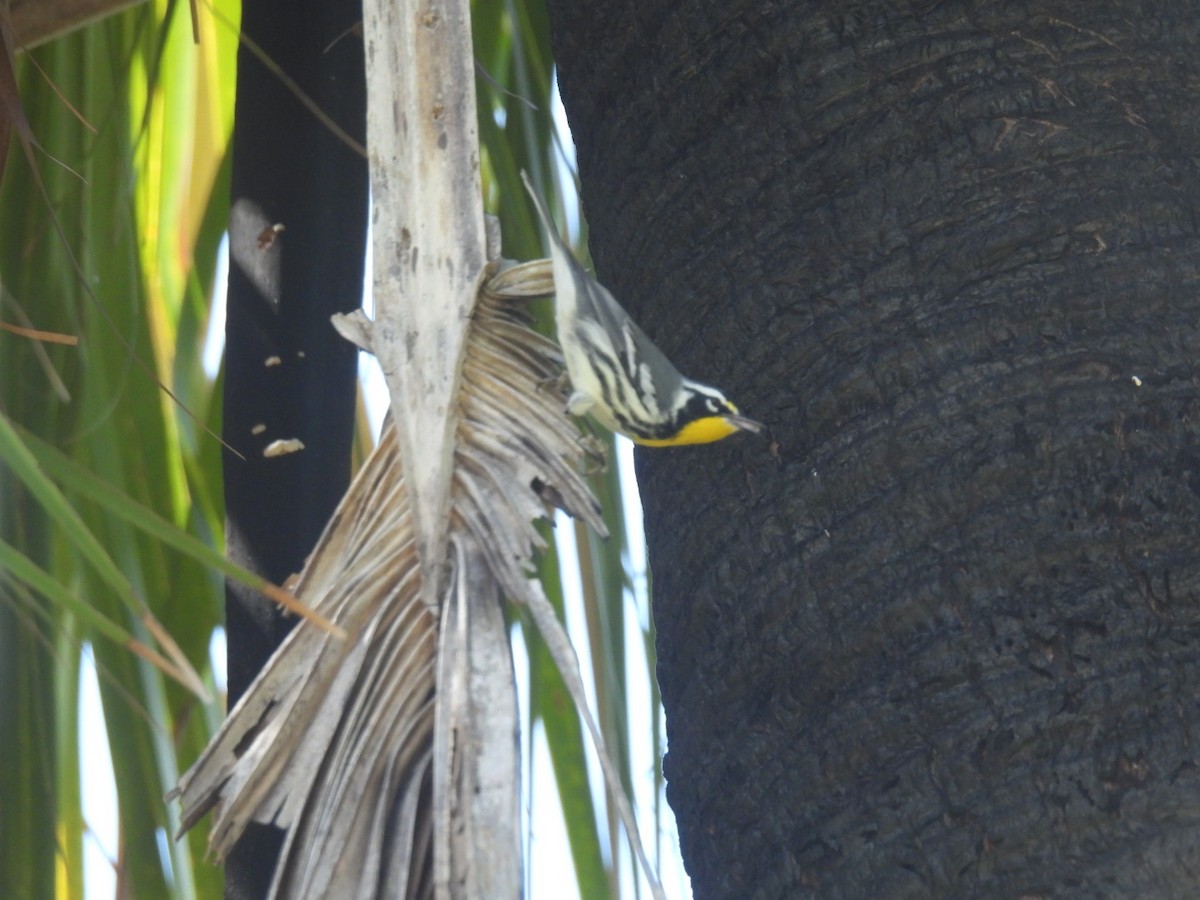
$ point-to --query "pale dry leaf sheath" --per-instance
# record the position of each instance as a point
(334, 740)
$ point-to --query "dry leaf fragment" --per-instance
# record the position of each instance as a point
(283, 447)
(267, 236)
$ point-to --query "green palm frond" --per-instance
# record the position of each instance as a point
(78, 570)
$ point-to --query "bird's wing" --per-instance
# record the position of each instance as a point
(646, 367)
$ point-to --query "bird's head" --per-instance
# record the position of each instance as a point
(703, 415)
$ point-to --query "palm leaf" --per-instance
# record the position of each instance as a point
(146, 201)
(334, 740)
(92, 103)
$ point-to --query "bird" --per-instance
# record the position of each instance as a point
(617, 374)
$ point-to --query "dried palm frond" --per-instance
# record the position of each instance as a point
(335, 740)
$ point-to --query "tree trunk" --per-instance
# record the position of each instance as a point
(942, 635)
(286, 369)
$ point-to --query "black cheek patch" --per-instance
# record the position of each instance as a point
(697, 407)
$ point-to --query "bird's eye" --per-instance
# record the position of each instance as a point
(713, 405)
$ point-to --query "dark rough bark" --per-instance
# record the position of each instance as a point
(945, 640)
(288, 168)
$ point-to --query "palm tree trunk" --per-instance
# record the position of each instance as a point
(939, 636)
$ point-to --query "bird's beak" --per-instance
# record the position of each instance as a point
(744, 424)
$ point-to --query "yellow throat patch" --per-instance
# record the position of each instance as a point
(700, 431)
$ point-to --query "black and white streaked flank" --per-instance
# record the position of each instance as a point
(618, 375)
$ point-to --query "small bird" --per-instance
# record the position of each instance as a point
(617, 374)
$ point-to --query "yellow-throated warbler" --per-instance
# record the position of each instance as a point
(617, 374)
